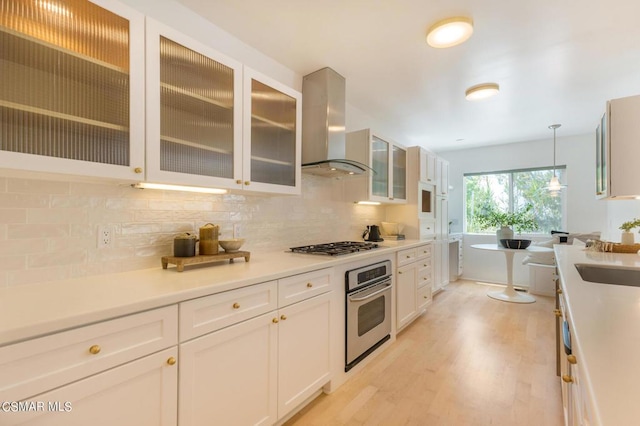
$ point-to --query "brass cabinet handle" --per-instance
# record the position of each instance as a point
(94, 350)
(558, 312)
(239, 181)
(408, 256)
(275, 320)
(399, 272)
(137, 170)
(572, 359)
(236, 305)
(309, 285)
(247, 183)
(283, 317)
(567, 378)
(559, 291)
(171, 361)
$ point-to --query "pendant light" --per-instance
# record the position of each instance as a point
(554, 184)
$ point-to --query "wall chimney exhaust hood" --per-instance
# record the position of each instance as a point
(323, 126)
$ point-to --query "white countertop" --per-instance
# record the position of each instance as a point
(606, 334)
(31, 310)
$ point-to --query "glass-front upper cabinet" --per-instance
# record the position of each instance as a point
(387, 183)
(380, 164)
(194, 112)
(602, 159)
(272, 135)
(72, 87)
(399, 173)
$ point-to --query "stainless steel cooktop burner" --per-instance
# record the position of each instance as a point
(335, 249)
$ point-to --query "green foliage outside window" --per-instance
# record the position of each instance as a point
(510, 193)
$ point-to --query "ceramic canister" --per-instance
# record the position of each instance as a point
(209, 239)
(184, 245)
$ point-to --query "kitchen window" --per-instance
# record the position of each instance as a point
(512, 190)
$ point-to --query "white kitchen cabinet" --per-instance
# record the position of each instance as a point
(272, 144)
(617, 149)
(128, 362)
(304, 344)
(230, 376)
(427, 167)
(576, 399)
(142, 393)
(72, 96)
(212, 122)
(413, 283)
(389, 162)
(255, 370)
(441, 245)
(406, 294)
(194, 112)
(442, 177)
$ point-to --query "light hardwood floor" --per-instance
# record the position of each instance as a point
(469, 360)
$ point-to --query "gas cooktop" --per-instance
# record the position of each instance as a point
(335, 249)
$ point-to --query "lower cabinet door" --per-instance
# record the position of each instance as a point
(303, 351)
(406, 306)
(228, 377)
(140, 393)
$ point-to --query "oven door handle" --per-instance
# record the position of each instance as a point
(369, 296)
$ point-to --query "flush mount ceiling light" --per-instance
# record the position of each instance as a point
(149, 185)
(554, 184)
(481, 91)
(450, 32)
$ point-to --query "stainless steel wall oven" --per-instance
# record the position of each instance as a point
(368, 310)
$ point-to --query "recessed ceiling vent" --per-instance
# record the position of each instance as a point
(323, 126)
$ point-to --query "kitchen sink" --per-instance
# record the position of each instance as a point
(609, 274)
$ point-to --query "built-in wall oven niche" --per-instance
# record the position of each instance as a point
(426, 200)
(368, 310)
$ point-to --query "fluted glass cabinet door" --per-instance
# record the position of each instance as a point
(380, 164)
(194, 110)
(272, 135)
(70, 77)
(399, 177)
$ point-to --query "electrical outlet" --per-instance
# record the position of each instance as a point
(104, 236)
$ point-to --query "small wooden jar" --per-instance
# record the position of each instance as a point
(209, 239)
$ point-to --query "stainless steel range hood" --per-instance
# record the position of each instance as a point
(323, 126)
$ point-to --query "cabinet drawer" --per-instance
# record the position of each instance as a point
(407, 256)
(300, 287)
(37, 365)
(424, 296)
(210, 313)
(424, 276)
(423, 252)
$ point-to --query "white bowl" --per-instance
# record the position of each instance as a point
(231, 245)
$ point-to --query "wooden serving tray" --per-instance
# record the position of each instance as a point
(203, 258)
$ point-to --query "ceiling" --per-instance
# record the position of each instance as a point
(556, 61)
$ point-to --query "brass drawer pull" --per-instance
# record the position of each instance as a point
(236, 305)
(94, 350)
(171, 361)
(309, 285)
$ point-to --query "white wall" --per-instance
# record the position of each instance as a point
(584, 212)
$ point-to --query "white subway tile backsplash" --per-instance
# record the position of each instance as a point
(29, 231)
(58, 215)
(36, 186)
(23, 247)
(69, 256)
(14, 201)
(50, 228)
(13, 216)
